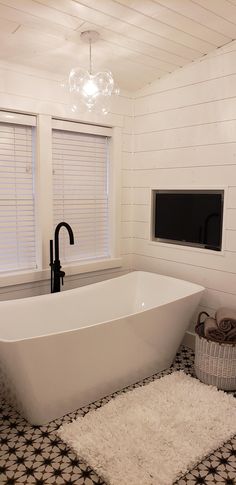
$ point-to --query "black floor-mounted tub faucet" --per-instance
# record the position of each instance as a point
(56, 274)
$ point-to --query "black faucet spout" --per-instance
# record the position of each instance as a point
(56, 237)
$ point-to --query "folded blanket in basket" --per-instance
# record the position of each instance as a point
(226, 319)
(231, 335)
(212, 332)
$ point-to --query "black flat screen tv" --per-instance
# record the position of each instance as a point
(192, 218)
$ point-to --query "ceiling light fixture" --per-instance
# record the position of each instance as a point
(89, 90)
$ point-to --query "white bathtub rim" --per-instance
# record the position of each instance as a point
(103, 322)
(193, 289)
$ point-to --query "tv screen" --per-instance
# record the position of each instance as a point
(191, 218)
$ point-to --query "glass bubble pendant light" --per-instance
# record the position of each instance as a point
(91, 91)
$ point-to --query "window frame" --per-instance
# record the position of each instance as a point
(44, 200)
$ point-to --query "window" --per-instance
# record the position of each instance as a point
(80, 189)
(74, 183)
(17, 208)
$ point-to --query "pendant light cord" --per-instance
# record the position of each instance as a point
(90, 57)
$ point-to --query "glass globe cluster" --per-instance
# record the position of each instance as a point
(91, 91)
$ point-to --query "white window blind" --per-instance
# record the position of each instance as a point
(80, 193)
(17, 213)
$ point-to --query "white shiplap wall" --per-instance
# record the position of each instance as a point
(185, 137)
(30, 91)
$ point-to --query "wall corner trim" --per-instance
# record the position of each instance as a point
(189, 340)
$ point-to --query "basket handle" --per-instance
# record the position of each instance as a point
(199, 322)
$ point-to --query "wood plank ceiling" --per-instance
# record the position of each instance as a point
(140, 40)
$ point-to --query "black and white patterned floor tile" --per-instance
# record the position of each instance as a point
(34, 455)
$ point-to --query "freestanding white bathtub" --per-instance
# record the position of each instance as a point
(59, 352)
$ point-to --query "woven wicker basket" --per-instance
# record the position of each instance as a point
(215, 363)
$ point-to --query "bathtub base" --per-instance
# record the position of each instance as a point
(39, 415)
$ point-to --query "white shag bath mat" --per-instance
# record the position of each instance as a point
(153, 434)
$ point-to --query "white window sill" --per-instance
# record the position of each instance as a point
(17, 278)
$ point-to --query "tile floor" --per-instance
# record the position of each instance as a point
(35, 455)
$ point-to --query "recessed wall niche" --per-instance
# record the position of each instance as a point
(188, 217)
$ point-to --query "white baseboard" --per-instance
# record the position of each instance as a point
(189, 340)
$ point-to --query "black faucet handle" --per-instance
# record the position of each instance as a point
(62, 274)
